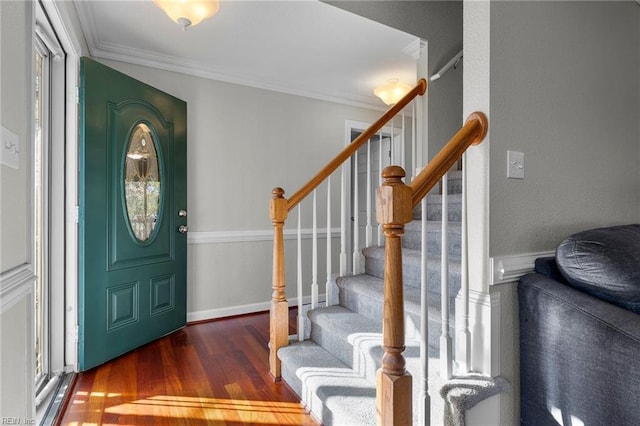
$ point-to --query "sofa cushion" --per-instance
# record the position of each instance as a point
(605, 263)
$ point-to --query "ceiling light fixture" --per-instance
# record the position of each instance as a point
(187, 13)
(392, 92)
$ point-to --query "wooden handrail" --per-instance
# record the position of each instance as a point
(279, 208)
(350, 149)
(472, 133)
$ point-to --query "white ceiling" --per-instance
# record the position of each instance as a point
(302, 47)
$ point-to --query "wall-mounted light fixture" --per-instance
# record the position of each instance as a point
(187, 13)
(392, 92)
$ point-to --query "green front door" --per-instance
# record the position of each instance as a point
(133, 200)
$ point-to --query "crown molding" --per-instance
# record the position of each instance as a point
(414, 48)
(116, 52)
(166, 63)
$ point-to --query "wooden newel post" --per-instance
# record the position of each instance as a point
(279, 314)
(393, 211)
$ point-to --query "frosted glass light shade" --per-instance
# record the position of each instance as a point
(391, 92)
(187, 13)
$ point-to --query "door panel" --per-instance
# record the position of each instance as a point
(132, 290)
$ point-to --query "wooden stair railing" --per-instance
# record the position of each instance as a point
(279, 209)
(394, 208)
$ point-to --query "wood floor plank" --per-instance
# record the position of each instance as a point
(211, 373)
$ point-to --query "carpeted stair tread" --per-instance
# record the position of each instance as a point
(344, 321)
(337, 395)
(373, 288)
(364, 294)
(332, 391)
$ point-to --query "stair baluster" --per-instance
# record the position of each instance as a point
(314, 254)
(463, 334)
(445, 337)
(425, 399)
(328, 287)
(380, 152)
(369, 229)
(300, 329)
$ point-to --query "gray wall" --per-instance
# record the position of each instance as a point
(16, 305)
(565, 85)
(564, 89)
(16, 89)
(242, 142)
(440, 23)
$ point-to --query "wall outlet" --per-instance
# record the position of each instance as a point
(515, 165)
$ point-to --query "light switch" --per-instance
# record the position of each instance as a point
(515, 165)
(10, 149)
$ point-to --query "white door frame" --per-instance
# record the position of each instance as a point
(65, 151)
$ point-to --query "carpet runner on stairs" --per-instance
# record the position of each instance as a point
(333, 371)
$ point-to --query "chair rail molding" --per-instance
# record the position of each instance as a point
(507, 269)
(15, 284)
(212, 237)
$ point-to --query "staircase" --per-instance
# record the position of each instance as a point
(343, 372)
(334, 369)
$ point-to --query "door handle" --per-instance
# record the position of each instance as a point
(183, 229)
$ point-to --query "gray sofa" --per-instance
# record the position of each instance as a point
(580, 332)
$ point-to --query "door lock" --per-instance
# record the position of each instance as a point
(182, 213)
(183, 229)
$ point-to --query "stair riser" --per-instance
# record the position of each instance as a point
(411, 275)
(434, 212)
(373, 309)
(434, 208)
(412, 239)
(333, 344)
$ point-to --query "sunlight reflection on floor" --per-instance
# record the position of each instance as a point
(209, 409)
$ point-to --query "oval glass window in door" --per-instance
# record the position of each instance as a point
(142, 182)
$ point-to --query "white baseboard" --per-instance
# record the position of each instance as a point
(506, 269)
(251, 308)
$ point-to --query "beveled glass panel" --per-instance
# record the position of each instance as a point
(142, 183)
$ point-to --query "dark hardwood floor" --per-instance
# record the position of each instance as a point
(209, 373)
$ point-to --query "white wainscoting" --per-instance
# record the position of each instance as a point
(15, 284)
(249, 236)
(506, 269)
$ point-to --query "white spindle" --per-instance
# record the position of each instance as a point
(445, 337)
(369, 228)
(424, 322)
(402, 147)
(463, 335)
(356, 218)
(343, 221)
(391, 145)
(380, 180)
(314, 255)
(299, 281)
(328, 287)
(414, 171)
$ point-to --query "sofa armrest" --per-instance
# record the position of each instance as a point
(578, 357)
